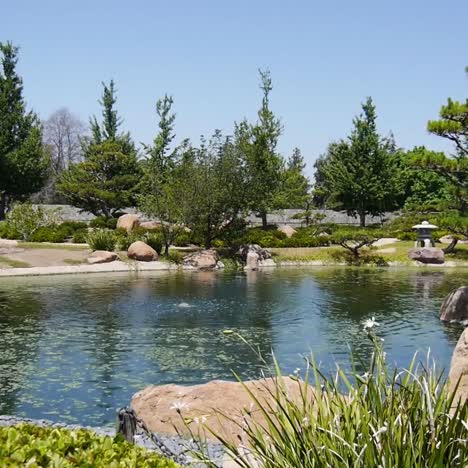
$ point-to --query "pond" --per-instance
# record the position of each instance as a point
(75, 348)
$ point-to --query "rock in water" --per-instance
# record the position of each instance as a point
(102, 256)
(255, 257)
(129, 222)
(203, 260)
(459, 368)
(159, 405)
(427, 255)
(455, 306)
(141, 252)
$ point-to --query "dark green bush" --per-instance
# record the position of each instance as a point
(28, 445)
(55, 234)
(102, 222)
(101, 239)
(183, 240)
(155, 240)
(72, 226)
(80, 235)
(8, 232)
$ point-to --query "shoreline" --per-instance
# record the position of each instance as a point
(135, 267)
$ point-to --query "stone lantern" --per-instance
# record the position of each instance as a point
(424, 238)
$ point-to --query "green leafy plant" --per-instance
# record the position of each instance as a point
(103, 222)
(26, 219)
(33, 446)
(101, 239)
(79, 236)
(155, 240)
(380, 417)
(55, 234)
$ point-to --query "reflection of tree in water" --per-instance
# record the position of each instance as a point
(20, 332)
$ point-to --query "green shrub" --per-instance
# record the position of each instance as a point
(102, 222)
(25, 219)
(155, 240)
(28, 445)
(183, 240)
(378, 418)
(72, 226)
(54, 234)
(8, 232)
(101, 239)
(358, 260)
(80, 236)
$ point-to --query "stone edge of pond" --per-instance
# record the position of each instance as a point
(122, 267)
(176, 444)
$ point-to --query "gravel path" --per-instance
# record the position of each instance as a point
(175, 444)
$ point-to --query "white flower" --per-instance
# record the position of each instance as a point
(365, 376)
(297, 370)
(305, 421)
(370, 323)
(179, 405)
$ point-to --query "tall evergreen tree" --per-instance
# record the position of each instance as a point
(23, 160)
(359, 175)
(259, 145)
(107, 179)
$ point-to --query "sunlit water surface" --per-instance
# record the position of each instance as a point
(75, 348)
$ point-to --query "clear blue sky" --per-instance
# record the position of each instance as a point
(325, 58)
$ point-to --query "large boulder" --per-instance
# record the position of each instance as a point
(102, 256)
(141, 252)
(455, 306)
(150, 225)
(287, 229)
(459, 368)
(159, 405)
(129, 222)
(203, 260)
(427, 255)
(255, 257)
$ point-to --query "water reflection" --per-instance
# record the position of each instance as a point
(75, 348)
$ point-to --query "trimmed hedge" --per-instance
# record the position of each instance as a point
(29, 445)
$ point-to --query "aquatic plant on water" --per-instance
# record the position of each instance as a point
(379, 418)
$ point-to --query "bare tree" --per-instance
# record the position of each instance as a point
(63, 132)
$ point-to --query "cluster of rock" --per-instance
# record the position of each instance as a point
(255, 257)
(203, 260)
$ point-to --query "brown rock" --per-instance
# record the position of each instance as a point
(455, 306)
(157, 405)
(102, 256)
(427, 255)
(203, 260)
(129, 222)
(150, 225)
(141, 252)
(459, 368)
(287, 229)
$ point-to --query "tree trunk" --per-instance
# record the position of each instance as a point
(362, 219)
(3, 205)
(451, 247)
(263, 215)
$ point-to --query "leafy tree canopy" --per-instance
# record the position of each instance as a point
(359, 174)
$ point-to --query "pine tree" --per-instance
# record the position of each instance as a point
(23, 160)
(107, 180)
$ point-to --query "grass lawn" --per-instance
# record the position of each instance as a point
(326, 254)
(51, 245)
(9, 262)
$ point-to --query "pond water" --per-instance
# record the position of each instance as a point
(75, 348)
